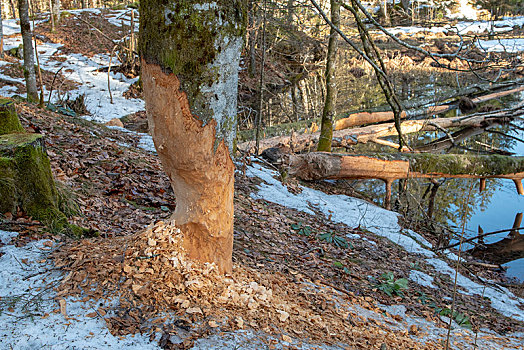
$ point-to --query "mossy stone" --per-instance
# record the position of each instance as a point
(9, 122)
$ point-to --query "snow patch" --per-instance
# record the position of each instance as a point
(421, 278)
(30, 323)
(350, 211)
(355, 212)
(501, 298)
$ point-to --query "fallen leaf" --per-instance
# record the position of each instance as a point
(194, 310)
(287, 338)
(63, 305)
(283, 315)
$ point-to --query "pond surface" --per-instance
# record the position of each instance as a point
(496, 208)
(500, 212)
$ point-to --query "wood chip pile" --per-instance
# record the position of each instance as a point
(155, 284)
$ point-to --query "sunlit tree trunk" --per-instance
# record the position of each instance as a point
(29, 56)
(385, 9)
(1, 33)
(190, 61)
(328, 113)
(55, 11)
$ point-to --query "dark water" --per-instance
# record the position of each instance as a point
(494, 209)
(499, 213)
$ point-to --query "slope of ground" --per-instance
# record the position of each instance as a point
(311, 267)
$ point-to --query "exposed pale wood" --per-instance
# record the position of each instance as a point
(202, 178)
(363, 118)
(343, 138)
(390, 144)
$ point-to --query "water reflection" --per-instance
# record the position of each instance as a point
(440, 207)
(500, 252)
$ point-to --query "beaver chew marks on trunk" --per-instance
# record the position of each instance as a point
(190, 60)
(202, 177)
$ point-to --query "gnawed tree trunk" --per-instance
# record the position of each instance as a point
(391, 167)
(328, 113)
(29, 56)
(190, 59)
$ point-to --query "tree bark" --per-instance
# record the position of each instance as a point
(329, 111)
(55, 11)
(190, 76)
(1, 33)
(29, 56)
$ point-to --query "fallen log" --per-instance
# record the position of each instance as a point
(363, 118)
(390, 167)
(347, 137)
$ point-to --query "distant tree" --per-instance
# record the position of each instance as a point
(55, 11)
(496, 8)
(328, 113)
(29, 55)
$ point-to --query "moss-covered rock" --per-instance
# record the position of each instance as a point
(9, 122)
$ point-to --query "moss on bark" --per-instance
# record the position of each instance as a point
(184, 38)
(9, 122)
(7, 186)
(26, 181)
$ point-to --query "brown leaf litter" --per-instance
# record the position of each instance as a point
(151, 277)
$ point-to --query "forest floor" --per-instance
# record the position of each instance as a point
(312, 264)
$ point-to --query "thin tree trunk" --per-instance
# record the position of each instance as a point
(1, 32)
(192, 114)
(385, 10)
(29, 57)
(53, 26)
(329, 111)
(261, 81)
(56, 11)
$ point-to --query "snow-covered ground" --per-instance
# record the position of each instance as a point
(464, 27)
(83, 70)
(355, 212)
(30, 316)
